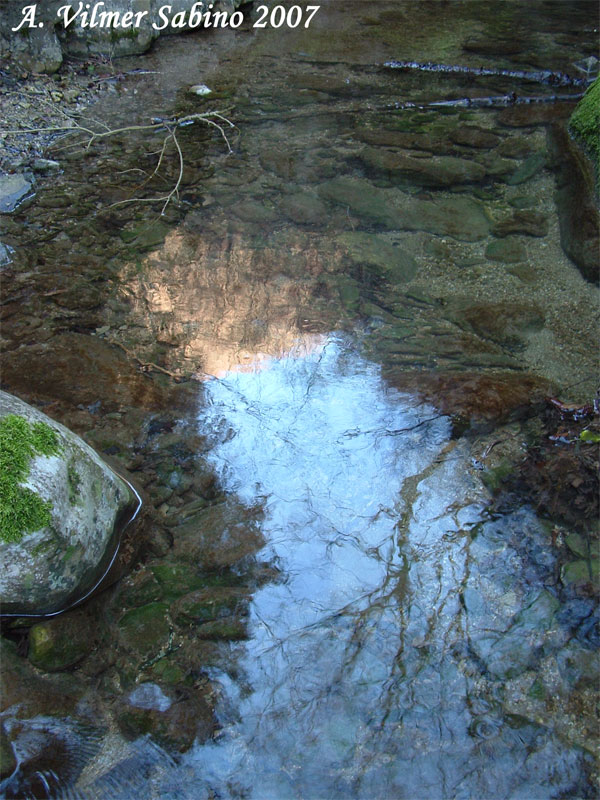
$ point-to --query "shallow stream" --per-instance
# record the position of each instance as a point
(361, 302)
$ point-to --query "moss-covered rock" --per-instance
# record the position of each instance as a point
(60, 508)
(146, 629)
(59, 643)
(585, 121)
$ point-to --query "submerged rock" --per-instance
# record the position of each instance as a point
(435, 171)
(60, 509)
(374, 251)
(175, 717)
(13, 190)
(460, 217)
(578, 215)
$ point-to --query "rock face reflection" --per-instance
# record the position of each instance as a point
(363, 676)
(209, 301)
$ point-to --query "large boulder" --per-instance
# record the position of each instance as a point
(61, 509)
(39, 47)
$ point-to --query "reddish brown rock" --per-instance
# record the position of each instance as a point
(80, 370)
(479, 398)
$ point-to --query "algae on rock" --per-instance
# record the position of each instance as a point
(60, 506)
(585, 121)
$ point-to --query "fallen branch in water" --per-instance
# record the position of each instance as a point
(539, 76)
(89, 135)
(499, 101)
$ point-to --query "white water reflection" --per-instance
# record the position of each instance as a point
(353, 683)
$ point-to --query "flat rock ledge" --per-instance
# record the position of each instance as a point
(84, 505)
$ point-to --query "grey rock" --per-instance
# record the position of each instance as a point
(374, 251)
(5, 254)
(13, 190)
(508, 250)
(436, 171)
(50, 567)
(460, 217)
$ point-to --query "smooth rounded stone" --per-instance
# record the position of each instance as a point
(176, 579)
(533, 114)
(508, 250)
(173, 715)
(200, 89)
(225, 629)
(13, 190)
(482, 398)
(304, 208)
(496, 166)
(530, 167)
(528, 223)
(363, 199)
(473, 136)
(209, 604)
(45, 165)
(146, 629)
(408, 140)
(522, 201)
(81, 369)
(460, 217)
(60, 643)
(374, 250)
(55, 556)
(524, 272)
(582, 571)
(254, 211)
(501, 322)
(515, 147)
(219, 536)
(435, 171)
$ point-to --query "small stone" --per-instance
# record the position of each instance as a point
(201, 89)
(13, 190)
(45, 165)
(529, 168)
(527, 222)
(508, 250)
(59, 643)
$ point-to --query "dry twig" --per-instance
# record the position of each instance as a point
(88, 136)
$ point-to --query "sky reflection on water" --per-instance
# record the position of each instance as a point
(352, 683)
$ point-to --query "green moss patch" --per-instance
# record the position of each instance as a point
(585, 121)
(22, 510)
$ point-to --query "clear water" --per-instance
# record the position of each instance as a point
(413, 647)
(359, 678)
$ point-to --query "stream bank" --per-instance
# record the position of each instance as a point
(389, 286)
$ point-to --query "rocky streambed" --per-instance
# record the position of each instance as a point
(319, 366)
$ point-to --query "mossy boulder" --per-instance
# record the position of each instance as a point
(146, 629)
(60, 511)
(585, 122)
(59, 643)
